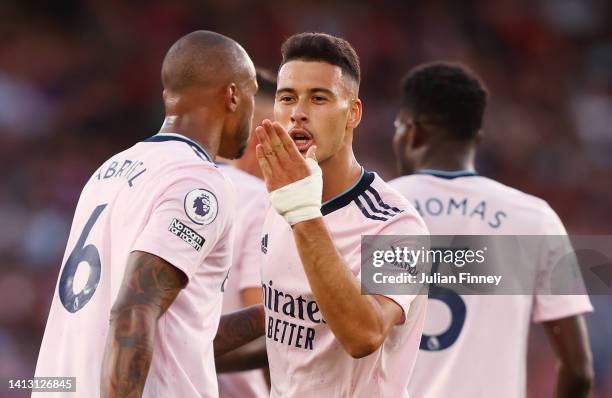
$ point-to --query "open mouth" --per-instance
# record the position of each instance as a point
(302, 138)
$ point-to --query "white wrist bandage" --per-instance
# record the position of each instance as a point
(300, 200)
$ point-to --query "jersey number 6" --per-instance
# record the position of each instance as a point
(457, 308)
(89, 254)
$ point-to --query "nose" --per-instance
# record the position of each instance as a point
(298, 114)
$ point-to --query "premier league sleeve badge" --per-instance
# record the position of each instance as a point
(201, 206)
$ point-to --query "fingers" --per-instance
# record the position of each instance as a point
(268, 151)
(273, 146)
(275, 134)
(286, 141)
(264, 165)
(262, 137)
(283, 162)
(272, 134)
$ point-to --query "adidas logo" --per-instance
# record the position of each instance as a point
(264, 244)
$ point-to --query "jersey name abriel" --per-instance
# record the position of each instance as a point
(128, 169)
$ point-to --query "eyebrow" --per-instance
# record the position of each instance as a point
(310, 90)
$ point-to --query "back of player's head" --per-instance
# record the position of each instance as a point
(266, 81)
(203, 58)
(324, 48)
(446, 95)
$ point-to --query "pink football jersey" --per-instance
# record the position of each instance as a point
(163, 196)
(479, 348)
(252, 204)
(304, 356)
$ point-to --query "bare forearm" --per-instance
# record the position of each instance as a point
(129, 351)
(250, 356)
(329, 279)
(238, 328)
(149, 286)
(569, 339)
(572, 385)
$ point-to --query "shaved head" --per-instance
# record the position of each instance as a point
(209, 91)
(205, 59)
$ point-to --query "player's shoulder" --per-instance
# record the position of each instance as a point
(203, 173)
(405, 211)
(176, 148)
(407, 179)
(375, 205)
(389, 194)
(426, 178)
(245, 183)
(515, 196)
(175, 155)
(469, 182)
(370, 199)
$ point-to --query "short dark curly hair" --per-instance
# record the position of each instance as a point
(447, 95)
(266, 81)
(325, 48)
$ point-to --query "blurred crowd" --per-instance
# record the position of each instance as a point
(79, 81)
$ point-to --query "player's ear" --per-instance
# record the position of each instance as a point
(170, 100)
(419, 135)
(355, 114)
(232, 98)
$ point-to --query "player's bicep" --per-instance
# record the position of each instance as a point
(187, 222)
(150, 284)
(391, 311)
(405, 231)
(250, 296)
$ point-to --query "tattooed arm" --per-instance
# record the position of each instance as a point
(238, 328)
(149, 286)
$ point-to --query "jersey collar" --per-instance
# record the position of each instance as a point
(198, 149)
(346, 197)
(447, 174)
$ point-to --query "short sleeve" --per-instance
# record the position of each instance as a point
(405, 226)
(190, 216)
(548, 307)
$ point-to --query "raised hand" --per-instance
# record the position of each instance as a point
(279, 159)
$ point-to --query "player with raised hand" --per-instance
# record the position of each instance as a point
(138, 298)
(323, 337)
(479, 347)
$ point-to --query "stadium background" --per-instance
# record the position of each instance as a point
(79, 80)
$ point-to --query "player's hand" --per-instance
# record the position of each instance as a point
(295, 184)
(279, 159)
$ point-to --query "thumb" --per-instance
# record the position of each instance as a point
(311, 153)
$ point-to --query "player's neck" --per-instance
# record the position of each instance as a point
(449, 157)
(197, 128)
(339, 174)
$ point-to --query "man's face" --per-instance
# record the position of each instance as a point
(234, 144)
(313, 103)
(406, 158)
